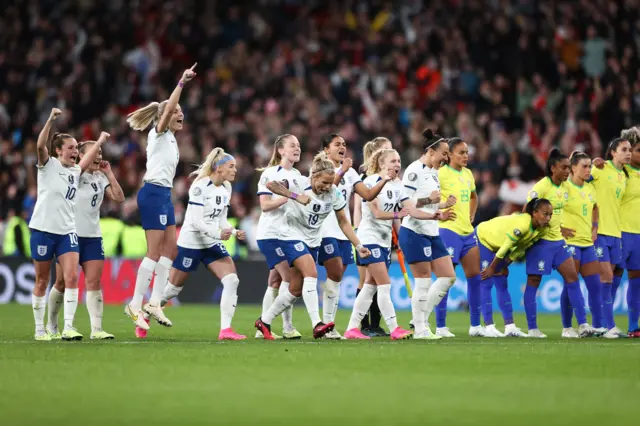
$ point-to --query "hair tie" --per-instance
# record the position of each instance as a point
(223, 160)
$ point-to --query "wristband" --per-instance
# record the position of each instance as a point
(359, 247)
(234, 231)
(294, 196)
(180, 84)
(340, 172)
(395, 215)
(594, 224)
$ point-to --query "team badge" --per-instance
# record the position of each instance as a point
(316, 208)
(187, 262)
(427, 251)
(533, 194)
(451, 251)
(299, 246)
(582, 194)
(413, 177)
(566, 195)
(198, 191)
(264, 181)
(218, 199)
(599, 251)
(163, 219)
(517, 232)
(571, 250)
(71, 179)
(328, 249)
(279, 252)
(376, 253)
(42, 250)
(485, 264)
(541, 265)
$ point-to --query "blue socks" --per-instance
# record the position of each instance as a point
(441, 312)
(504, 298)
(530, 307)
(566, 312)
(577, 302)
(607, 305)
(633, 301)
(614, 288)
(474, 298)
(595, 299)
(486, 300)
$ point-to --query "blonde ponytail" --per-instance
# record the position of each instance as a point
(321, 164)
(276, 158)
(142, 118)
(370, 148)
(205, 169)
(377, 158)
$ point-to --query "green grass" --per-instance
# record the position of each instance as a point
(183, 376)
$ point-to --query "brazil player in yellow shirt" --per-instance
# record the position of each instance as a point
(457, 233)
(581, 215)
(630, 227)
(551, 251)
(499, 240)
(610, 182)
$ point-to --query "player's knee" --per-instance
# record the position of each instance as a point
(41, 284)
(334, 275)
(231, 281)
(93, 285)
(606, 276)
(534, 280)
(71, 279)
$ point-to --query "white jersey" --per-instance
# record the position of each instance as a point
(55, 206)
(88, 201)
(271, 223)
(162, 158)
(378, 231)
(206, 214)
(419, 182)
(304, 223)
(330, 228)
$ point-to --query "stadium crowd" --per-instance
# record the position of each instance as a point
(514, 78)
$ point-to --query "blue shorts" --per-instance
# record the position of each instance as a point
(90, 249)
(378, 255)
(584, 255)
(272, 252)
(609, 249)
(294, 250)
(545, 256)
(155, 206)
(487, 256)
(631, 251)
(332, 247)
(188, 259)
(458, 245)
(419, 248)
(44, 245)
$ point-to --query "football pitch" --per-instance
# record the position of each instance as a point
(183, 376)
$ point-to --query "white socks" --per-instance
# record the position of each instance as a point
(170, 291)
(330, 298)
(386, 306)
(269, 297)
(310, 297)
(70, 306)
(287, 315)
(419, 304)
(145, 274)
(95, 308)
(283, 302)
(55, 304)
(228, 300)
(361, 305)
(162, 277)
(437, 291)
(39, 305)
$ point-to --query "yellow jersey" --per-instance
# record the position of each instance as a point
(461, 184)
(610, 184)
(505, 234)
(558, 196)
(578, 212)
(630, 204)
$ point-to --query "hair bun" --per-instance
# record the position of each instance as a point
(428, 134)
(555, 152)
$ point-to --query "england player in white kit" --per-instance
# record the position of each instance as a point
(301, 238)
(336, 252)
(94, 184)
(286, 152)
(375, 233)
(201, 238)
(53, 226)
(154, 199)
(419, 234)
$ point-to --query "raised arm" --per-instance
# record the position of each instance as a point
(92, 153)
(344, 168)
(114, 190)
(278, 188)
(163, 123)
(45, 136)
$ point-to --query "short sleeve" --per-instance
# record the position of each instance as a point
(521, 227)
(105, 181)
(409, 183)
(229, 189)
(472, 180)
(339, 201)
(265, 178)
(538, 191)
(195, 195)
(353, 177)
(596, 173)
(52, 163)
(593, 193)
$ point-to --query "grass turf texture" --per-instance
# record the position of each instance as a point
(183, 376)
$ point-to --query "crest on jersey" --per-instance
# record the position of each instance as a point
(376, 253)
(285, 183)
(485, 264)
(328, 249)
(427, 251)
(225, 200)
(95, 187)
(566, 195)
(599, 251)
(163, 219)
(71, 179)
(299, 246)
(571, 250)
(413, 177)
(517, 232)
(218, 199)
(279, 252)
(42, 250)
(264, 181)
(451, 251)
(533, 194)
(197, 191)
(316, 208)
(582, 194)
(591, 197)
(541, 265)
(187, 262)
(295, 182)
(342, 181)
